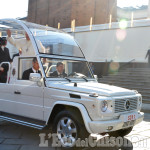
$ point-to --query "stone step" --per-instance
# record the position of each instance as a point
(128, 84)
(127, 75)
(130, 72)
(133, 70)
(146, 97)
(145, 101)
(145, 108)
(133, 79)
(143, 91)
(136, 69)
(125, 80)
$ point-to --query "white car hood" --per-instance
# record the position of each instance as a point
(90, 87)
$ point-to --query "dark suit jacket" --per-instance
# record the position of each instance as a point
(4, 57)
(26, 74)
(55, 74)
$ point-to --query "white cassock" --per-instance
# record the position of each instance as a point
(26, 46)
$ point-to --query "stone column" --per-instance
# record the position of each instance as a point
(148, 15)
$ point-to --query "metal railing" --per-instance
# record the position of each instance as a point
(124, 65)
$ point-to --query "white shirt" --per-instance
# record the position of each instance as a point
(25, 46)
(58, 73)
(35, 71)
(3, 47)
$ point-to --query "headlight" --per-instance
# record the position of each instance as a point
(136, 92)
(104, 106)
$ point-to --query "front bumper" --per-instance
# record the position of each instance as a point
(117, 124)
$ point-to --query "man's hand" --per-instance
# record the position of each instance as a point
(20, 51)
(9, 33)
(1, 69)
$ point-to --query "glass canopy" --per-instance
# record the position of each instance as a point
(47, 40)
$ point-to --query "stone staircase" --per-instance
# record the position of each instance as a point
(132, 78)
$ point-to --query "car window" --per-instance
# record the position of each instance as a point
(24, 64)
(61, 68)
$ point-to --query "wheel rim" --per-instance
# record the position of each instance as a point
(67, 132)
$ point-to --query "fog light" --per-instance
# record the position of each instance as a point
(110, 128)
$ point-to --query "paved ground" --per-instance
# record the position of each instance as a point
(17, 137)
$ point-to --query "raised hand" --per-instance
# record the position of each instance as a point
(9, 33)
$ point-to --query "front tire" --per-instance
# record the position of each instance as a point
(69, 126)
(121, 133)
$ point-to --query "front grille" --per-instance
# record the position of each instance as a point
(121, 105)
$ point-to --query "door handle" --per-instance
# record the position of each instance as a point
(17, 92)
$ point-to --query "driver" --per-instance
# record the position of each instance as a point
(60, 71)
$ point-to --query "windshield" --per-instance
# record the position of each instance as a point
(63, 68)
(55, 42)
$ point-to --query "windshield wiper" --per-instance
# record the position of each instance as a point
(84, 78)
(67, 79)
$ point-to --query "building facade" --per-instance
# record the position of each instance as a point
(128, 13)
(52, 12)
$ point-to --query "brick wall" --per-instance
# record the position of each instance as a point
(53, 11)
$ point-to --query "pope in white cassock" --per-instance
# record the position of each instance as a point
(24, 45)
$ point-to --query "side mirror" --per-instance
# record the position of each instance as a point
(95, 76)
(35, 77)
